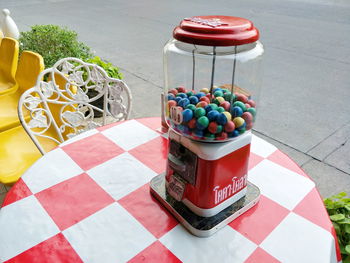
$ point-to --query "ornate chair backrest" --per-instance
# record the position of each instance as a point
(64, 102)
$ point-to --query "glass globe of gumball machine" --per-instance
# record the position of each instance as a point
(212, 70)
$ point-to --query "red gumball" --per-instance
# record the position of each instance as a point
(181, 89)
(192, 123)
(249, 126)
(226, 105)
(213, 127)
(209, 96)
(172, 103)
(252, 103)
(202, 104)
(173, 91)
(206, 99)
(247, 105)
(242, 98)
(221, 136)
(247, 117)
(229, 126)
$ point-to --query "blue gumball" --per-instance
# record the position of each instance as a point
(213, 115)
(177, 99)
(171, 96)
(221, 119)
(236, 111)
(200, 95)
(235, 133)
(198, 133)
(182, 95)
(184, 102)
(187, 115)
(194, 100)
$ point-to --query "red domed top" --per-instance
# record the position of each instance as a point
(216, 31)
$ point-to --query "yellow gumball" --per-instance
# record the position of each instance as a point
(238, 121)
(205, 90)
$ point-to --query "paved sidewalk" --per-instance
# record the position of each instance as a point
(304, 106)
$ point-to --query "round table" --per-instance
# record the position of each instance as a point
(88, 200)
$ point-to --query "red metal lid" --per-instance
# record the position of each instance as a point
(216, 31)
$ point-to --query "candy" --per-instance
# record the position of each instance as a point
(235, 133)
(202, 104)
(225, 105)
(241, 131)
(213, 127)
(252, 111)
(209, 136)
(238, 121)
(228, 96)
(218, 93)
(181, 89)
(208, 116)
(252, 103)
(198, 133)
(219, 100)
(177, 99)
(187, 115)
(206, 99)
(173, 91)
(211, 107)
(240, 104)
(220, 109)
(242, 98)
(171, 96)
(191, 107)
(205, 90)
(199, 112)
(212, 115)
(223, 118)
(215, 88)
(189, 93)
(182, 95)
(202, 123)
(170, 103)
(200, 94)
(192, 123)
(236, 111)
(222, 136)
(248, 117)
(184, 102)
(249, 126)
(229, 126)
(193, 99)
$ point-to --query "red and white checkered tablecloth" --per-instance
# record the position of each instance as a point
(89, 201)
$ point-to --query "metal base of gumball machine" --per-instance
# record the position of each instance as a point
(203, 226)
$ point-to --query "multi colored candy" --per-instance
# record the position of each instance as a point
(210, 116)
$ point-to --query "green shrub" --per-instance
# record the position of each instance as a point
(338, 207)
(53, 43)
(111, 70)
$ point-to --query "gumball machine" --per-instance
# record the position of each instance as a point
(212, 70)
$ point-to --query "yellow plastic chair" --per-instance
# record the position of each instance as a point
(8, 65)
(17, 151)
(29, 67)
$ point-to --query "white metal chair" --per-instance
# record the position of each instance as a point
(63, 102)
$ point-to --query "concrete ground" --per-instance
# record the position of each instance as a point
(305, 101)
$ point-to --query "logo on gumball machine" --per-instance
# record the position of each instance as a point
(227, 191)
(176, 114)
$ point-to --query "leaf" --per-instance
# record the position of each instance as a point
(347, 249)
(345, 221)
(347, 229)
(337, 217)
